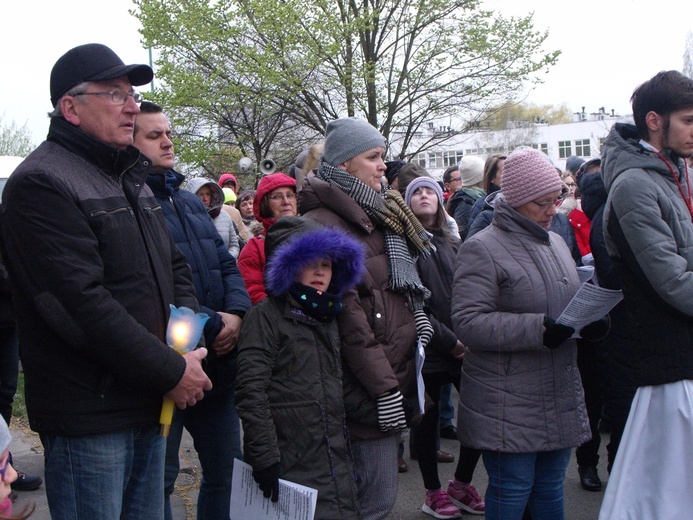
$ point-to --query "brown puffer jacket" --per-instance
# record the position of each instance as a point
(377, 327)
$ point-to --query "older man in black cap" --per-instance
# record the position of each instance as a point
(93, 272)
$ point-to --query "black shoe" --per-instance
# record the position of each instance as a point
(26, 482)
(449, 432)
(589, 479)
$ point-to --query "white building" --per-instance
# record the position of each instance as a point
(583, 138)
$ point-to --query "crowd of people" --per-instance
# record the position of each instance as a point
(323, 291)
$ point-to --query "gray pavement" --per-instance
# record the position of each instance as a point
(580, 505)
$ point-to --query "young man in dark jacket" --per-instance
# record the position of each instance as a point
(213, 423)
(649, 235)
(93, 271)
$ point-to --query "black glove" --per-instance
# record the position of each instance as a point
(268, 480)
(597, 329)
(555, 333)
(391, 412)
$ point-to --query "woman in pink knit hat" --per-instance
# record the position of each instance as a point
(275, 197)
(521, 398)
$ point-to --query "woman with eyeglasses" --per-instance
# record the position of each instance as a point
(8, 475)
(521, 399)
(275, 197)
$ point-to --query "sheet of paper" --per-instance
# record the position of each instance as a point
(296, 502)
(585, 273)
(589, 304)
(420, 359)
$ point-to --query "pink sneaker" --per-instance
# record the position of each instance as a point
(465, 497)
(438, 505)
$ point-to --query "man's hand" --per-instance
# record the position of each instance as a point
(226, 340)
(190, 389)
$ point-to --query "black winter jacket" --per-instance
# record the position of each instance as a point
(436, 273)
(93, 270)
(218, 283)
(460, 207)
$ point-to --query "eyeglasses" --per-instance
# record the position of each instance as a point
(547, 205)
(4, 464)
(117, 96)
(281, 196)
(456, 179)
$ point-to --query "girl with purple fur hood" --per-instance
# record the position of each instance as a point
(289, 388)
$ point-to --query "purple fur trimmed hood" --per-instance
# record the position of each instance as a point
(294, 242)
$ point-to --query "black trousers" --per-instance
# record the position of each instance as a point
(426, 434)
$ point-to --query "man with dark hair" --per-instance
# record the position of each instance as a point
(649, 235)
(213, 423)
(452, 181)
(93, 272)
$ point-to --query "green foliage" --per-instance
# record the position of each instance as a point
(263, 77)
(15, 141)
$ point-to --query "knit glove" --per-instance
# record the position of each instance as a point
(268, 480)
(424, 330)
(596, 330)
(390, 408)
(555, 333)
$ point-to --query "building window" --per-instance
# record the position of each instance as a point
(565, 150)
(542, 147)
(435, 160)
(452, 158)
(582, 147)
(421, 159)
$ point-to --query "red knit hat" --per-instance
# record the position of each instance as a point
(267, 184)
(528, 175)
(226, 177)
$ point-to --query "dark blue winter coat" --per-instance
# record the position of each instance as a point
(218, 283)
(616, 351)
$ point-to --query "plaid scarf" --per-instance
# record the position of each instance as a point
(404, 236)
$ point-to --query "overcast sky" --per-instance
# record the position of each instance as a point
(608, 48)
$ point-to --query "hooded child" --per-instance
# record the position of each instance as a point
(289, 388)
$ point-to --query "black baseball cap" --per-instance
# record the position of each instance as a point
(93, 62)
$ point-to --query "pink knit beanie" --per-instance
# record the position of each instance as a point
(528, 175)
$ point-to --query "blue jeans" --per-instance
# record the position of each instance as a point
(106, 476)
(447, 410)
(519, 479)
(215, 428)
